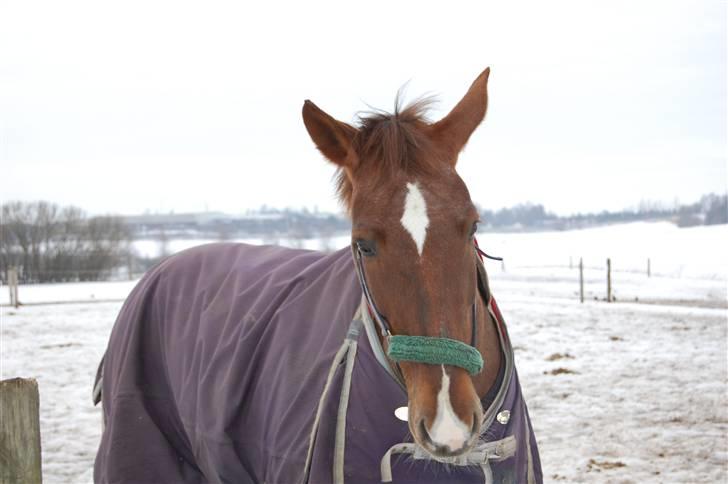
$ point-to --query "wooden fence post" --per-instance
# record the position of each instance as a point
(649, 271)
(19, 432)
(13, 286)
(609, 280)
(10, 286)
(581, 279)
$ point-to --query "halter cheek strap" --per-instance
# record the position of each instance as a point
(422, 349)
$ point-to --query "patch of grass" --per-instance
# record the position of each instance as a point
(59, 345)
(560, 371)
(595, 465)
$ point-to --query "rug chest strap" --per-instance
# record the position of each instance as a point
(481, 455)
(347, 352)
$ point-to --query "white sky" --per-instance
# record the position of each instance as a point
(128, 106)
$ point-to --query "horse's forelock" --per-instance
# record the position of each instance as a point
(388, 143)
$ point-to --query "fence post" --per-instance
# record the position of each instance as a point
(609, 280)
(13, 286)
(581, 279)
(10, 286)
(19, 432)
(649, 272)
(17, 298)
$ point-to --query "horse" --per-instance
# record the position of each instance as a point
(388, 360)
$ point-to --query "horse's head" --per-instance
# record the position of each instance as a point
(413, 222)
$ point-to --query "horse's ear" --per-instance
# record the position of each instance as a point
(453, 131)
(333, 138)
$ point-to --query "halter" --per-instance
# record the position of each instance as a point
(424, 349)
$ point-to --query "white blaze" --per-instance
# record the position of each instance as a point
(448, 429)
(414, 219)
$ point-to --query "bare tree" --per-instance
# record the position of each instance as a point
(63, 256)
(49, 243)
(104, 247)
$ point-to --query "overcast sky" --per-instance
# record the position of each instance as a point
(169, 106)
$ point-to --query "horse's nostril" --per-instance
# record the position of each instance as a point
(440, 449)
(425, 434)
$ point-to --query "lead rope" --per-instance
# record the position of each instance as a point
(487, 472)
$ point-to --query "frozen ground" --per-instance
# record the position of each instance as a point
(622, 392)
(60, 346)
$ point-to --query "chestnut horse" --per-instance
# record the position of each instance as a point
(413, 228)
(412, 215)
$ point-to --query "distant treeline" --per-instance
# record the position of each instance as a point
(711, 209)
(48, 243)
(270, 223)
(263, 223)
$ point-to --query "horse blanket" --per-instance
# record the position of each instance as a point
(217, 364)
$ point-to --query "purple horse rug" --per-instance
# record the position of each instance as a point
(231, 363)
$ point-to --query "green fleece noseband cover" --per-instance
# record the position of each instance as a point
(435, 351)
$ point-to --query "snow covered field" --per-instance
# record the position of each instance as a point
(634, 391)
(692, 252)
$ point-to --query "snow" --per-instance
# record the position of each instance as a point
(648, 388)
(633, 391)
(695, 252)
(60, 346)
(65, 292)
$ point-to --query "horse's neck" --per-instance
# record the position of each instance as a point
(488, 343)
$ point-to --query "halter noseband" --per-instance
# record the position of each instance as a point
(423, 349)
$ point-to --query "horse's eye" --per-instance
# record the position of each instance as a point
(474, 229)
(367, 248)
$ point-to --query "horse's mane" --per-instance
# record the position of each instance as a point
(388, 143)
